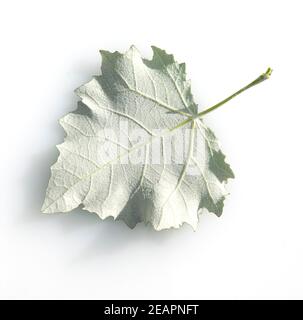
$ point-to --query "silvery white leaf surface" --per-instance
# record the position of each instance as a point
(121, 159)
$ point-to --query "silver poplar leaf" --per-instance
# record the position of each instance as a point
(150, 97)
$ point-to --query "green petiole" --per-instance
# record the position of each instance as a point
(261, 78)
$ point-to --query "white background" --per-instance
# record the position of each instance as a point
(48, 48)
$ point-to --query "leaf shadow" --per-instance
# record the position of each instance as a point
(99, 237)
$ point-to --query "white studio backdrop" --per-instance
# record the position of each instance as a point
(254, 251)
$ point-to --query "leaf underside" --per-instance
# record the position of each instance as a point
(152, 96)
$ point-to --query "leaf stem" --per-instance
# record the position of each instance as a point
(261, 78)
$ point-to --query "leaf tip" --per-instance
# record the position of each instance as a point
(44, 209)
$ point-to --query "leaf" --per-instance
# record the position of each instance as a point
(97, 170)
